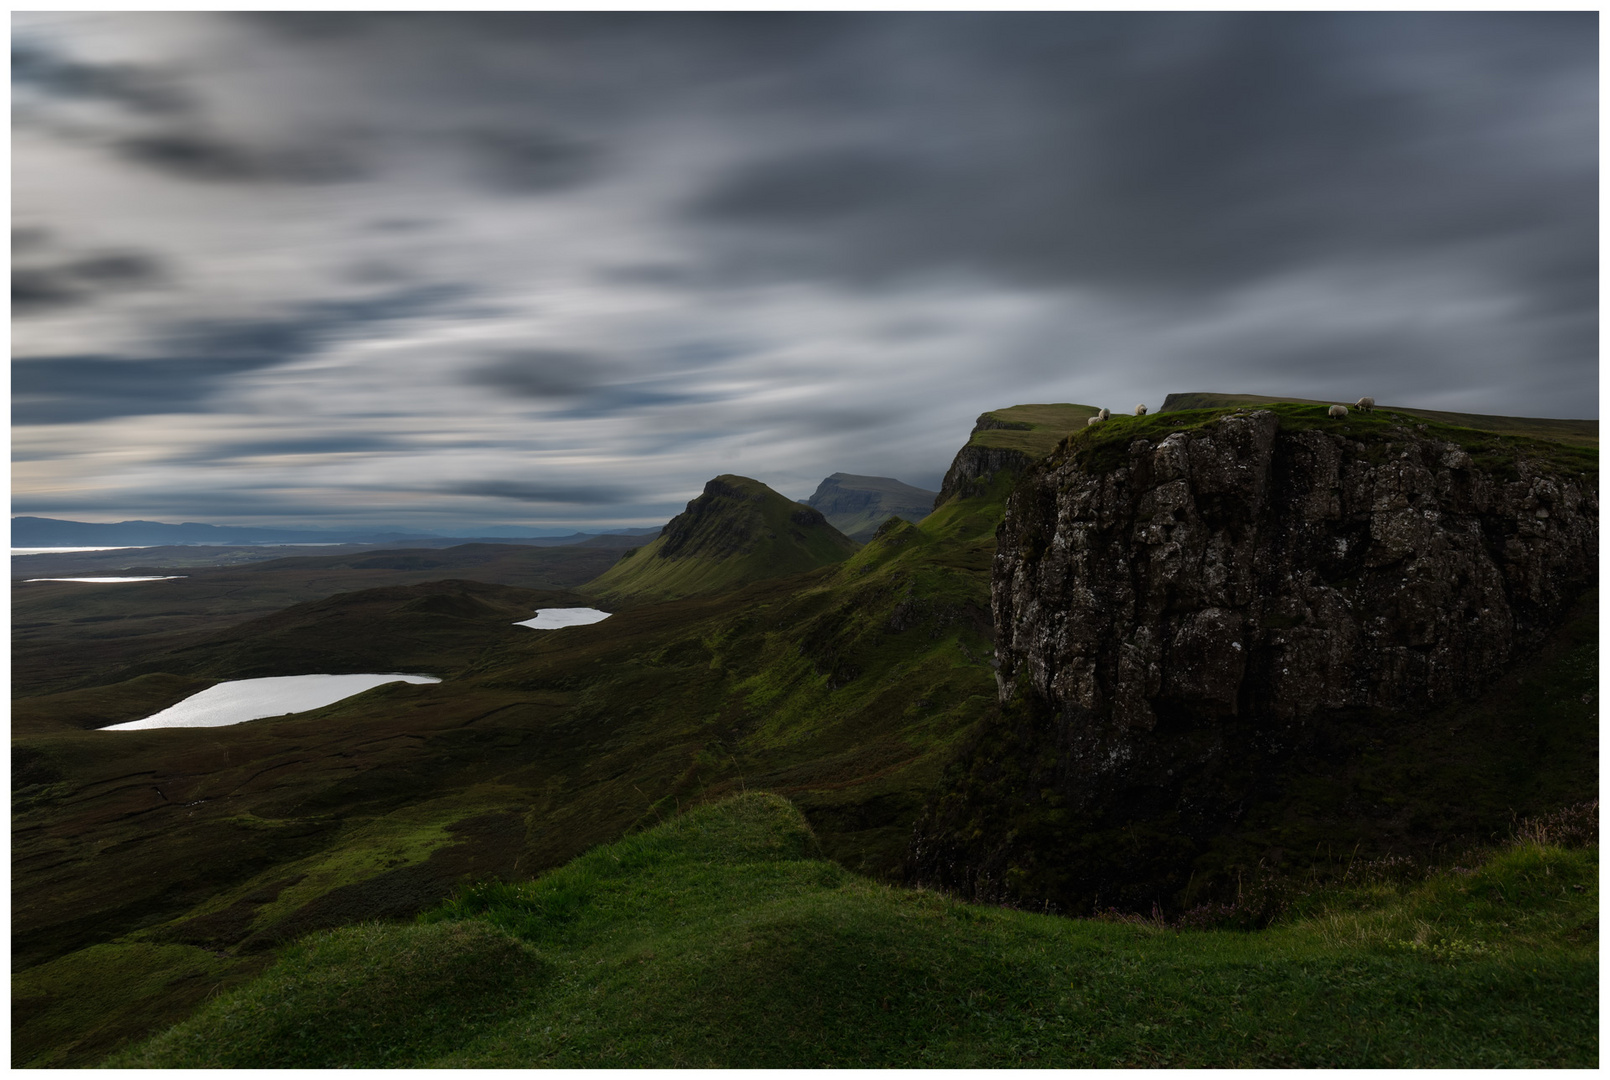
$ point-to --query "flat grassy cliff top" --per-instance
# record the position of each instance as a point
(1570, 432)
(885, 485)
(720, 940)
(1105, 446)
(1033, 429)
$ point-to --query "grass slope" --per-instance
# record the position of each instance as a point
(737, 531)
(846, 688)
(1573, 432)
(1033, 429)
(721, 939)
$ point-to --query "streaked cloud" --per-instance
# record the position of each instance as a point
(561, 268)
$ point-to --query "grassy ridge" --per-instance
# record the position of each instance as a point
(1033, 429)
(720, 940)
(1573, 432)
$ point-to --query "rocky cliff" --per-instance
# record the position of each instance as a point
(1175, 610)
(1008, 441)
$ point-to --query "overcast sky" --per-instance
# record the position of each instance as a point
(446, 271)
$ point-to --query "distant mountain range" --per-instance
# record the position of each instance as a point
(54, 532)
(857, 505)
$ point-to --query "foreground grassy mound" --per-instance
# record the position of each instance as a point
(719, 940)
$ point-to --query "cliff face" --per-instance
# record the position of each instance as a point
(1009, 440)
(1237, 570)
(1176, 615)
(975, 466)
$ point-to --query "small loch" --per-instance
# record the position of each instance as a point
(240, 700)
(553, 618)
(108, 580)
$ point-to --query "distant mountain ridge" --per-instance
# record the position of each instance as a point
(857, 505)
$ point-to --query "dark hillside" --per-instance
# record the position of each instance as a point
(737, 531)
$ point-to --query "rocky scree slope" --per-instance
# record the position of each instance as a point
(1168, 609)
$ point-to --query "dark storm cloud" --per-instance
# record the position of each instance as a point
(295, 447)
(205, 157)
(762, 242)
(809, 188)
(1183, 153)
(138, 88)
(582, 385)
(196, 360)
(521, 491)
(542, 373)
(534, 162)
(29, 238)
(39, 289)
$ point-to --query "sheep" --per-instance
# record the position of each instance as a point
(1093, 420)
(1338, 412)
(1365, 404)
(1104, 414)
(1140, 410)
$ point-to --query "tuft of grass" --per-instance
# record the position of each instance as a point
(719, 940)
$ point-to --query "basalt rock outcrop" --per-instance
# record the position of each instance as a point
(1174, 613)
(1008, 441)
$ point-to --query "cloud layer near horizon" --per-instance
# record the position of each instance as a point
(546, 269)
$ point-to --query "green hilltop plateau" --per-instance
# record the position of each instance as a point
(715, 829)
